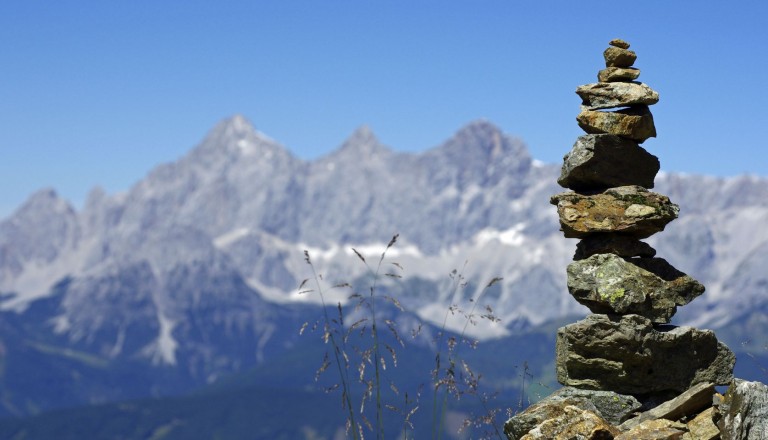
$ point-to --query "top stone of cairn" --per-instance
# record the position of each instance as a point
(619, 55)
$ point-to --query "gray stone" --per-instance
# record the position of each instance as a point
(630, 210)
(617, 74)
(744, 411)
(603, 95)
(687, 404)
(619, 57)
(599, 161)
(634, 123)
(651, 287)
(628, 355)
(612, 244)
(613, 407)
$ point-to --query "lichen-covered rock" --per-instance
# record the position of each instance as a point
(659, 429)
(629, 210)
(613, 407)
(744, 411)
(628, 355)
(619, 57)
(603, 95)
(520, 424)
(651, 287)
(571, 422)
(599, 161)
(617, 74)
(634, 123)
(622, 246)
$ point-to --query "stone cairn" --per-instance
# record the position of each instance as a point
(625, 358)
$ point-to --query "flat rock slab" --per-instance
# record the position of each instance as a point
(628, 355)
(635, 123)
(614, 74)
(660, 429)
(620, 245)
(629, 210)
(744, 411)
(600, 161)
(603, 95)
(687, 404)
(650, 287)
(703, 427)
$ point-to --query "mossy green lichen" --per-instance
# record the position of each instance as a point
(613, 295)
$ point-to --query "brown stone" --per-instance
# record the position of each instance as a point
(601, 95)
(600, 161)
(617, 74)
(625, 247)
(618, 42)
(619, 57)
(650, 287)
(571, 423)
(628, 210)
(660, 429)
(629, 355)
(634, 123)
(703, 427)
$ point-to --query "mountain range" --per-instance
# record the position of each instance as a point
(193, 274)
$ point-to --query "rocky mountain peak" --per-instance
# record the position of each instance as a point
(234, 138)
(361, 144)
(42, 202)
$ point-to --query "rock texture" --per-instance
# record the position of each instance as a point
(612, 244)
(607, 283)
(635, 123)
(616, 94)
(628, 355)
(629, 210)
(606, 160)
(744, 411)
(627, 352)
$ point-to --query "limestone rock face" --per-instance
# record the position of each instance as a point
(627, 355)
(612, 244)
(634, 123)
(599, 161)
(651, 287)
(619, 57)
(629, 210)
(613, 74)
(744, 411)
(604, 95)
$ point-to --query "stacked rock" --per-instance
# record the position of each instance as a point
(627, 345)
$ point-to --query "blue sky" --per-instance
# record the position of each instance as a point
(97, 93)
